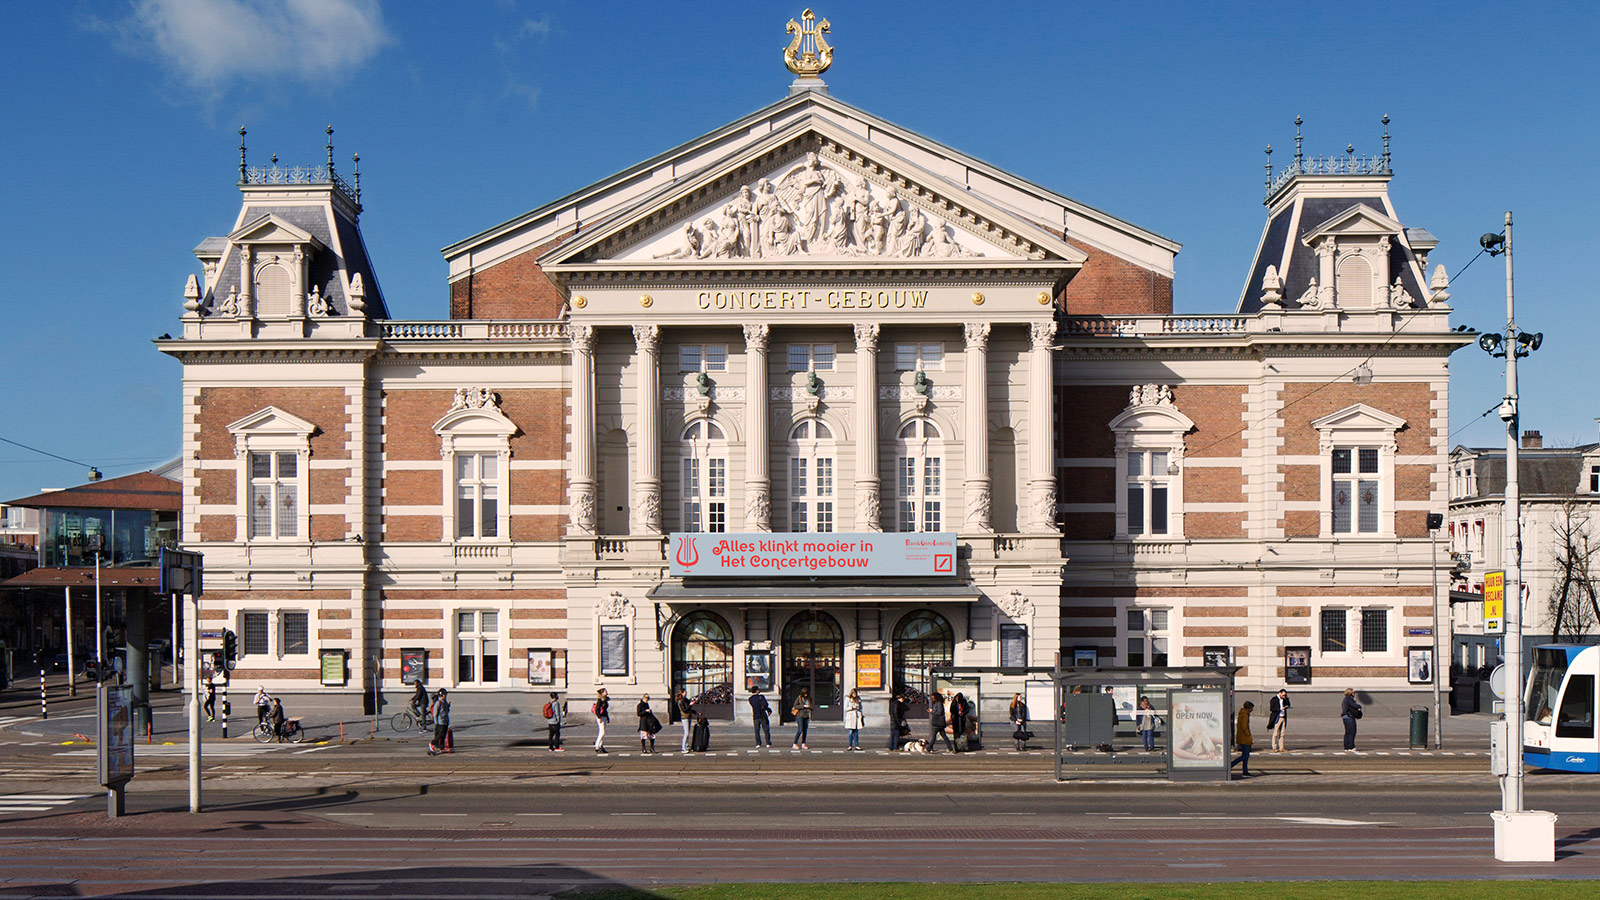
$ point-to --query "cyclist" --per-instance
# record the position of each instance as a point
(419, 702)
(263, 701)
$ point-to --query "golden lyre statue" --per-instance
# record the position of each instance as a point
(808, 55)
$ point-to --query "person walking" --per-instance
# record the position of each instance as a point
(1019, 722)
(897, 719)
(854, 718)
(441, 722)
(938, 725)
(682, 711)
(649, 725)
(1145, 719)
(557, 710)
(1277, 718)
(1242, 738)
(761, 716)
(802, 719)
(602, 715)
(210, 706)
(1349, 711)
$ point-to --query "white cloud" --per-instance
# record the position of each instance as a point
(214, 42)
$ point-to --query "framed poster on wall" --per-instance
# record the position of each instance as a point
(1297, 665)
(1013, 646)
(758, 670)
(413, 666)
(331, 667)
(869, 670)
(541, 666)
(613, 649)
(1419, 665)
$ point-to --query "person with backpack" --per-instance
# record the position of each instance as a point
(441, 723)
(555, 710)
(761, 715)
(648, 726)
(602, 715)
(682, 711)
(938, 727)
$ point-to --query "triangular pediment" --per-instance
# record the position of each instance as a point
(1359, 220)
(272, 229)
(1359, 417)
(272, 421)
(812, 194)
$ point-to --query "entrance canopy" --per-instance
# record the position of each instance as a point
(812, 592)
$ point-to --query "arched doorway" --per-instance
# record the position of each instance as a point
(922, 640)
(702, 663)
(813, 657)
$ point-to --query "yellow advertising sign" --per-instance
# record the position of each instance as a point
(1494, 602)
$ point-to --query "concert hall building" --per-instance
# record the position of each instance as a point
(813, 401)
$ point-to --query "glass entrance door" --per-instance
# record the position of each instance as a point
(813, 657)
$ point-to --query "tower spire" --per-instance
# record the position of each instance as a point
(330, 151)
(1298, 156)
(244, 173)
(1385, 141)
(1268, 167)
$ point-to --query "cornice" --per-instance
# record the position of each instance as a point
(276, 352)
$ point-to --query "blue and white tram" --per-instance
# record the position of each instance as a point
(1560, 707)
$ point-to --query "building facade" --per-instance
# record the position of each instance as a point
(812, 322)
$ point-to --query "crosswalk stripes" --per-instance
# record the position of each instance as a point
(208, 750)
(11, 804)
(8, 721)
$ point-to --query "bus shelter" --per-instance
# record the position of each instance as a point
(1174, 724)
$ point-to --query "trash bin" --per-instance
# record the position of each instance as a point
(1419, 727)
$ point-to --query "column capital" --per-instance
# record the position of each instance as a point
(977, 334)
(755, 336)
(582, 337)
(867, 335)
(1042, 334)
(648, 337)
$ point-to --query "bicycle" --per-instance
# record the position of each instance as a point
(292, 732)
(408, 720)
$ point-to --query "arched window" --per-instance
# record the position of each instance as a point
(811, 477)
(705, 478)
(1353, 286)
(702, 662)
(919, 470)
(922, 640)
(272, 290)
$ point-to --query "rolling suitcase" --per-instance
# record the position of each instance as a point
(700, 736)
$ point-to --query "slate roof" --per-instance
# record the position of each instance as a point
(324, 267)
(1315, 211)
(1547, 472)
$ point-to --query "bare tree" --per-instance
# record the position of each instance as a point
(1574, 605)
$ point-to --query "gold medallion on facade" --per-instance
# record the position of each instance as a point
(579, 302)
(1044, 298)
(977, 298)
(645, 300)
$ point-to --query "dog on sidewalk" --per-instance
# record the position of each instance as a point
(916, 746)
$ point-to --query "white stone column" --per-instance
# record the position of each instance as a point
(976, 389)
(868, 513)
(757, 477)
(647, 400)
(1041, 429)
(581, 486)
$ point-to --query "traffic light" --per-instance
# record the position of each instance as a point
(230, 647)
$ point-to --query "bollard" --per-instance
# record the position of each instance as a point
(225, 709)
(341, 731)
(149, 733)
(44, 697)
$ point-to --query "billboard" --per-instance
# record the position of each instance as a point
(761, 554)
(1494, 602)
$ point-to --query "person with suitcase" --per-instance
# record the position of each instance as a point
(648, 726)
(682, 711)
(700, 735)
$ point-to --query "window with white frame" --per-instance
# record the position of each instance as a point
(704, 485)
(1594, 479)
(810, 357)
(1357, 448)
(702, 357)
(1148, 488)
(477, 646)
(1149, 445)
(1147, 635)
(274, 451)
(254, 634)
(477, 494)
(274, 494)
(1355, 490)
(919, 477)
(1335, 631)
(296, 636)
(811, 493)
(1374, 631)
(927, 357)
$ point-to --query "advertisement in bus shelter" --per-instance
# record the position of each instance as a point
(1199, 730)
(116, 751)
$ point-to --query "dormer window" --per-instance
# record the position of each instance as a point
(274, 290)
(1352, 285)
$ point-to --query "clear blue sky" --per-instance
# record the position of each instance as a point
(120, 121)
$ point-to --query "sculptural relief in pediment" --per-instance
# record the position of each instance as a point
(813, 210)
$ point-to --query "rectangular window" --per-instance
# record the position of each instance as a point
(1333, 631)
(254, 626)
(810, 357)
(477, 495)
(477, 646)
(1013, 646)
(1594, 479)
(1136, 652)
(274, 494)
(1355, 490)
(1374, 631)
(703, 357)
(1146, 630)
(1147, 491)
(716, 495)
(296, 632)
(911, 357)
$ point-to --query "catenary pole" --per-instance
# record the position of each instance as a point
(193, 668)
(1433, 579)
(1511, 537)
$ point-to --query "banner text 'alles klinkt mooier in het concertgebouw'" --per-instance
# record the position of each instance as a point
(763, 554)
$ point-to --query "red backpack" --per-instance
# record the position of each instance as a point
(549, 709)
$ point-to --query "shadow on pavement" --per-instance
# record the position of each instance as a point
(462, 881)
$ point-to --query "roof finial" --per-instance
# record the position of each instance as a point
(330, 151)
(243, 173)
(1385, 141)
(356, 158)
(1297, 139)
(1349, 153)
(1268, 167)
(808, 55)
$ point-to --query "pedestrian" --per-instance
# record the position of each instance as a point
(263, 702)
(801, 711)
(897, 719)
(1350, 711)
(1242, 738)
(1277, 718)
(683, 711)
(210, 706)
(854, 718)
(938, 725)
(276, 717)
(602, 715)
(1145, 719)
(1019, 720)
(556, 711)
(959, 714)
(441, 722)
(761, 715)
(649, 725)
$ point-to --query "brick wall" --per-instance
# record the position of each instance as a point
(1110, 286)
(323, 407)
(514, 288)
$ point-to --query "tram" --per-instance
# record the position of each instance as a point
(1560, 707)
